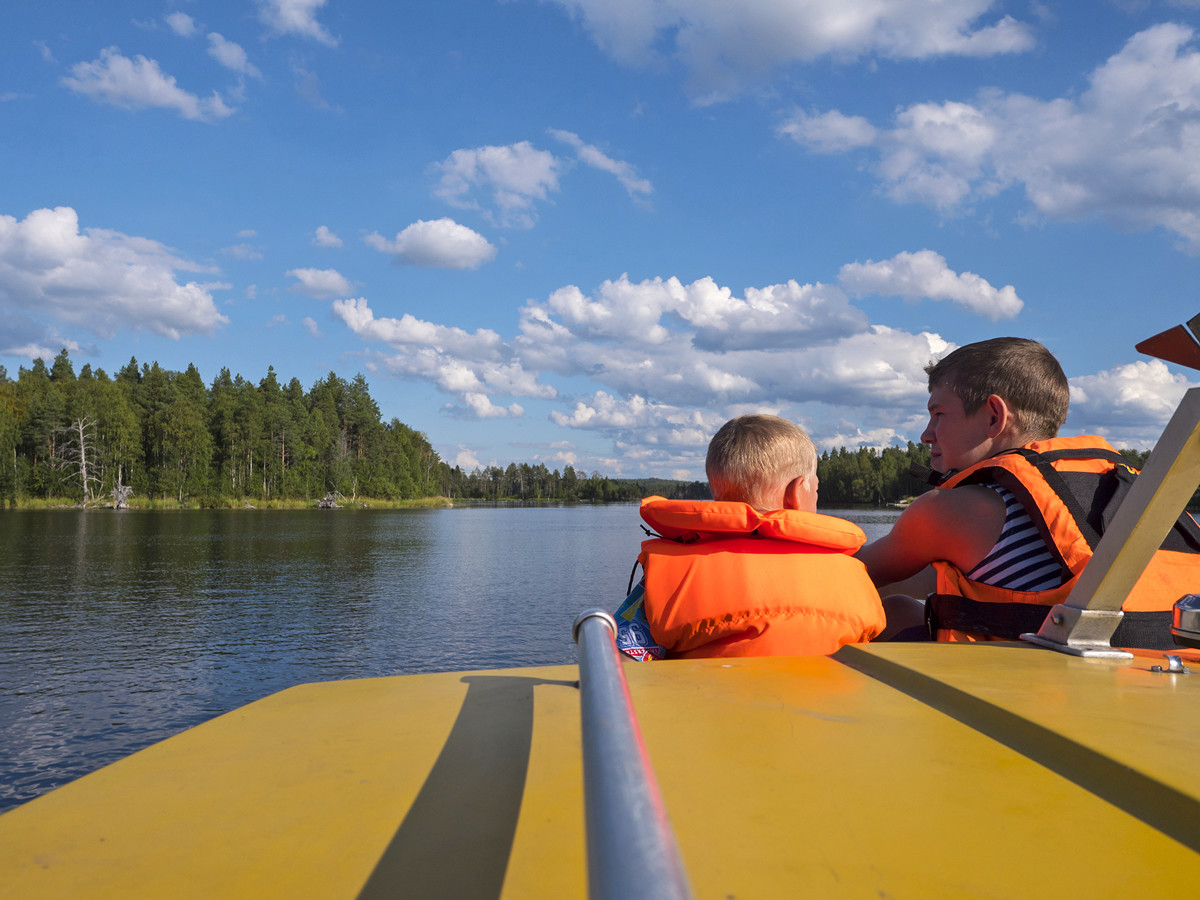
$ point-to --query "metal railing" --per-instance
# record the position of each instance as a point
(631, 850)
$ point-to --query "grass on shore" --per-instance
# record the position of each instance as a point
(170, 503)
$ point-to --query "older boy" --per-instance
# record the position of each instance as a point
(756, 571)
(1019, 510)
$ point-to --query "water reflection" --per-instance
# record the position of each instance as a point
(120, 629)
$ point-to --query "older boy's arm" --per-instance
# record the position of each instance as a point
(959, 526)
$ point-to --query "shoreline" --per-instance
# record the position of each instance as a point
(143, 504)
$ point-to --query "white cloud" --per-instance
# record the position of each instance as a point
(312, 326)
(98, 280)
(466, 460)
(516, 176)
(243, 251)
(727, 48)
(1126, 150)
(297, 17)
(483, 408)
(924, 275)
(138, 83)
(456, 361)
(411, 331)
(595, 157)
(320, 283)
(680, 357)
(181, 23)
(231, 56)
(829, 132)
(442, 243)
(1137, 394)
(323, 237)
(781, 315)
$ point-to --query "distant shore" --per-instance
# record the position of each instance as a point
(146, 503)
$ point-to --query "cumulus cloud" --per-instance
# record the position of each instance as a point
(313, 328)
(466, 459)
(1125, 151)
(925, 275)
(457, 361)
(323, 237)
(482, 407)
(729, 48)
(668, 362)
(298, 17)
(442, 244)
(52, 275)
(181, 23)
(138, 83)
(1138, 394)
(596, 158)
(231, 56)
(830, 132)
(513, 178)
(781, 315)
(320, 283)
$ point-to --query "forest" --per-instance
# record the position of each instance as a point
(90, 438)
(149, 432)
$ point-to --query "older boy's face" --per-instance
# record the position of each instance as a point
(955, 439)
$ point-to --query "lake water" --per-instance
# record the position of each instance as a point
(118, 629)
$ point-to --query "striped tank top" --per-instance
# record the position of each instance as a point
(1020, 561)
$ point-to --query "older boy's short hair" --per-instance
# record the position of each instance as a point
(1023, 372)
(751, 457)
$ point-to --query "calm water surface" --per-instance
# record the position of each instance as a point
(120, 629)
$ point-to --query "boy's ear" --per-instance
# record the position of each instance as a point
(791, 493)
(1000, 416)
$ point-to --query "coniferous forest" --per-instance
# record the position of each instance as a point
(158, 434)
(161, 434)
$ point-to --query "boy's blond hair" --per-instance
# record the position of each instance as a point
(753, 458)
(1022, 372)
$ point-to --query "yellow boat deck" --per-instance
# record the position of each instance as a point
(902, 770)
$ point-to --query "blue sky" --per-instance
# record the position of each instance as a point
(588, 232)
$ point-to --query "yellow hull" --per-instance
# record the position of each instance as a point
(902, 770)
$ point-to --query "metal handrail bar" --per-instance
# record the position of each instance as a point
(631, 850)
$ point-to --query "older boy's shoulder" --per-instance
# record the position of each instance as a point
(963, 507)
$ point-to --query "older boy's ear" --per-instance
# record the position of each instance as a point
(1000, 416)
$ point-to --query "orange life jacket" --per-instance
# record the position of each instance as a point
(726, 580)
(1071, 487)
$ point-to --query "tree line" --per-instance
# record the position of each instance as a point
(164, 434)
(150, 432)
(156, 433)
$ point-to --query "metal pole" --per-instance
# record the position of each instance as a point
(631, 849)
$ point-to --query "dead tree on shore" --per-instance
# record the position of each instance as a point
(78, 452)
(121, 494)
(330, 501)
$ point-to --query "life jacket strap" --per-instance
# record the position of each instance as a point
(1008, 621)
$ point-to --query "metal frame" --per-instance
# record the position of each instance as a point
(631, 850)
(1084, 624)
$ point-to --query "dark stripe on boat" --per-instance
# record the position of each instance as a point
(1159, 805)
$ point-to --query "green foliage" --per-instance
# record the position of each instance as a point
(870, 477)
(522, 481)
(171, 438)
